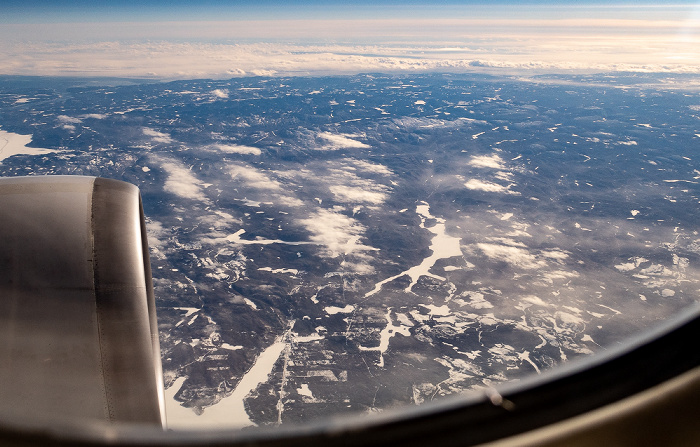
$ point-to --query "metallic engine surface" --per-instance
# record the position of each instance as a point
(77, 336)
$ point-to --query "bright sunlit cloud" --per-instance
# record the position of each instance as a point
(544, 38)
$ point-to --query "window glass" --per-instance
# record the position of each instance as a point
(357, 208)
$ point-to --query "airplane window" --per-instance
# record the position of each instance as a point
(354, 210)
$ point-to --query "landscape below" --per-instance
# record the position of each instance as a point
(348, 244)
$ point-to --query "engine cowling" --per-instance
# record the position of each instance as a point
(78, 329)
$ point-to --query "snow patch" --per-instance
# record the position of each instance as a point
(332, 310)
(16, 144)
(304, 390)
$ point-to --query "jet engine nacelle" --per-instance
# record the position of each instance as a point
(78, 330)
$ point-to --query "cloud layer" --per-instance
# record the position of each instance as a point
(195, 49)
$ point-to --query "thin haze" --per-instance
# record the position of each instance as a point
(220, 40)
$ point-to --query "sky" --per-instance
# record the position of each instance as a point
(43, 11)
(219, 39)
(121, 10)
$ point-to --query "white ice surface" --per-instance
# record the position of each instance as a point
(442, 246)
(230, 411)
(332, 310)
(16, 144)
(385, 336)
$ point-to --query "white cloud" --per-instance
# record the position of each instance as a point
(218, 220)
(68, 119)
(537, 301)
(516, 256)
(98, 116)
(348, 194)
(479, 185)
(157, 236)
(161, 49)
(504, 176)
(410, 122)
(336, 232)
(555, 254)
(264, 186)
(254, 178)
(348, 187)
(220, 93)
(182, 182)
(559, 275)
(288, 201)
(369, 167)
(237, 149)
(158, 137)
(507, 241)
(339, 141)
(487, 161)
(349, 181)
